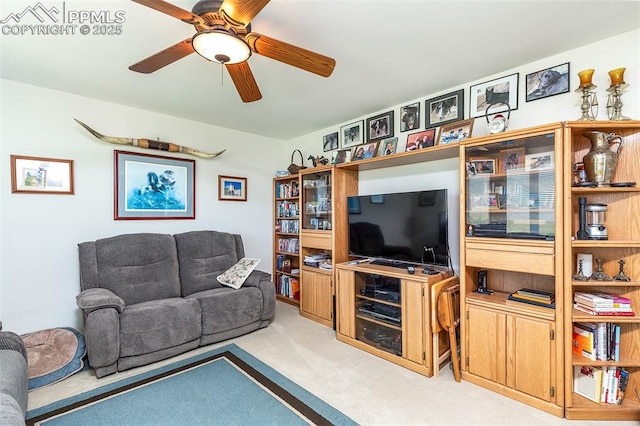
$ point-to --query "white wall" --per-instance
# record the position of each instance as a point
(615, 52)
(39, 233)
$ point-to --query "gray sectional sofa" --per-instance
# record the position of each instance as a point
(147, 297)
(13, 379)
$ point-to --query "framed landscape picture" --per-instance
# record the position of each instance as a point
(40, 175)
(380, 126)
(445, 109)
(232, 188)
(151, 186)
(352, 134)
(500, 90)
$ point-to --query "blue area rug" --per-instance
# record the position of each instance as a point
(224, 386)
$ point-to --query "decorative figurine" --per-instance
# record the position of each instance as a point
(621, 275)
(600, 275)
(614, 103)
(580, 276)
(589, 98)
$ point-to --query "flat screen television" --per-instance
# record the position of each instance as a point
(400, 229)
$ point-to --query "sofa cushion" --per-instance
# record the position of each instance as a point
(13, 382)
(225, 309)
(152, 326)
(136, 267)
(235, 276)
(203, 255)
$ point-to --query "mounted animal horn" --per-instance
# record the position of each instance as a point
(498, 123)
(149, 144)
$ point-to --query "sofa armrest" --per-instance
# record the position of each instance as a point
(98, 298)
(262, 281)
(12, 341)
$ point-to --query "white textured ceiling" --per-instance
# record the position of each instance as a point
(387, 53)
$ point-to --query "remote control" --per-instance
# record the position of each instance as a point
(411, 269)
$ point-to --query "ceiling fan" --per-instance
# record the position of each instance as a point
(224, 35)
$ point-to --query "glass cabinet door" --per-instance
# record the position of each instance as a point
(510, 189)
(316, 200)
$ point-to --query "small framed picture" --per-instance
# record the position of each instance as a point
(455, 132)
(419, 140)
(40, 175)
(500, 90)
(387, 146)
(380, 126)
(152, 186)
(483, 200)
(539, 161)
(445, 109)
(352, 134)
(511, 159)
(362, 152)
(548, 82)
(232, 188)
(484, 166)
(471, 168)
(330, 142)
(341, 156)
(410, 117)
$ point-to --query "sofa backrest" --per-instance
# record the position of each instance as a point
(136, 267)
(203, 255)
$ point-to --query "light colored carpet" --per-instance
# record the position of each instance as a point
(366, 388)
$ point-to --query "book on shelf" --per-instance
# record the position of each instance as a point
(584, 340)
(587, 381)
(589, 311)
(601, 298)
(514, 297)
(536, 294)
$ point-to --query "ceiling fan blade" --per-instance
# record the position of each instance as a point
(164, 57)
(171, 10)
(290, 54)
(245, 83)
(242, 12)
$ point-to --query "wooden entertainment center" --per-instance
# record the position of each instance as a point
(518, 225)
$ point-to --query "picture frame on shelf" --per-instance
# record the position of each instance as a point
(420, 140)
(41, 175)
(444, 109)
(380, 126)
(484, 165)
(410, 117)
(341, 156)
(352, 134)
(503, 89)
(484, 200)
(547, 82)
(364, 151)
(149, 187)
(455, 132)
(232, 188)
(539, 161)
(512, 159)
(387, 146)
(330, 142)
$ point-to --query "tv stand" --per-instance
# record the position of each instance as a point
(396, 318)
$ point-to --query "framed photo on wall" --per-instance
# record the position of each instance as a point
(410, 117)
(548, 82)
(503, 89)
(330, 142)
(419, 140)
(41, 175)
(232, 188)
(152, 186)
(352, 134)
(380, 126)
(445, 109)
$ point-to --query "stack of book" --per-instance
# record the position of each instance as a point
(599, 341)
(314, 260)
(601, 384)
(534, 297)
(602, 304)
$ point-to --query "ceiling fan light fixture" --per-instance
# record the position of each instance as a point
(221, 46)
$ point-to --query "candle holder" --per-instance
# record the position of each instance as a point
(614, 101)
(589, 98)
